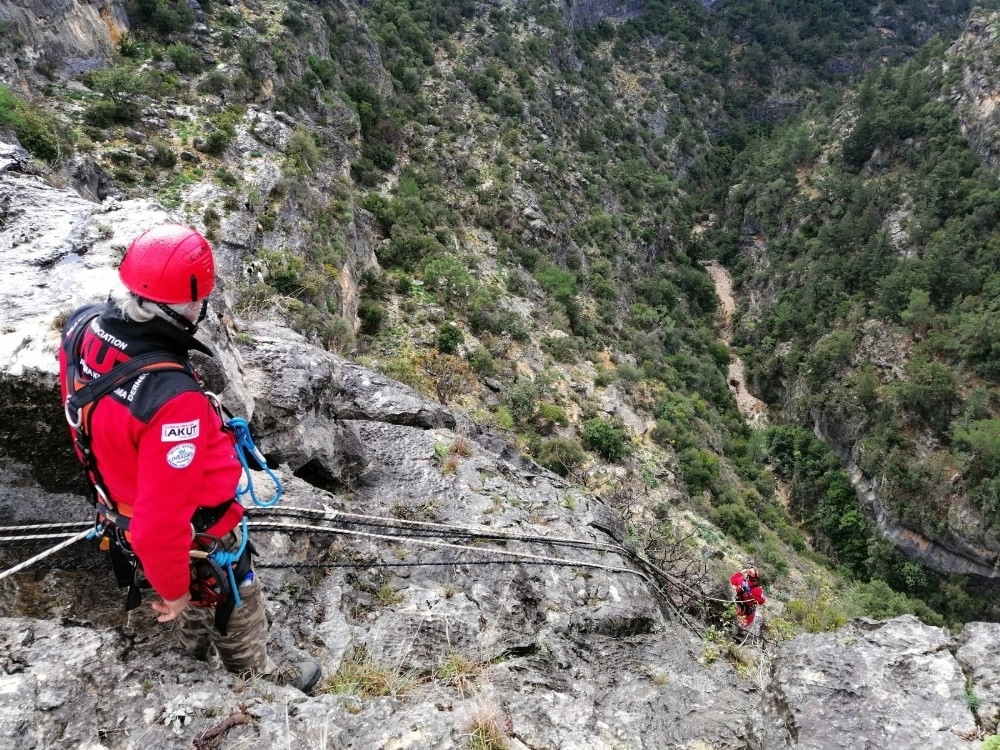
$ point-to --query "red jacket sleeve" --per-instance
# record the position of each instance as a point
(174, 457)
(758, 594)
(737, 578)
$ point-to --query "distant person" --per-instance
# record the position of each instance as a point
(749, 595)
(163, 467)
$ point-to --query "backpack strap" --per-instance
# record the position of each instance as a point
(120, 374)
(81, 398)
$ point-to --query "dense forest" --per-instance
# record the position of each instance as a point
(543, 185)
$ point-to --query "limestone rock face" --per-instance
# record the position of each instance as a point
(976, 96)
(875, 684)
(63, 37)
(592, 12)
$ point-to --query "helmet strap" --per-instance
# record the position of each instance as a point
(183, 322)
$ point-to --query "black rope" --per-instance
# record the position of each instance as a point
(293, 566)
(414, 530)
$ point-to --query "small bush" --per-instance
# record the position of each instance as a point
(449, 338)
(294, 21)
(819, 615)
(35, 130)
(372, 316)
(218, 140)
(606, 439)
(563, 349)
(163, 153)
(482, 363)
(561, 455)
(214, 83)
(549, 416)
(737, 521)
(185, 59)
(699, 469)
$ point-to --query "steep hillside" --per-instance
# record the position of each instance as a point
(501, 206)
(865, 239)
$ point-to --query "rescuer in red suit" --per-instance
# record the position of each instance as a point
(749, 595)
(164, 468)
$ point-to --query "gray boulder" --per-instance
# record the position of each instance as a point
(871, 684)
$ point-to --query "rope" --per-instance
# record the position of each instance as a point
(446, 545)
(226, 559)
(42, 555)
(427, 529)
(35, 526)
(34, 537)
(479, 531)
(245, 445)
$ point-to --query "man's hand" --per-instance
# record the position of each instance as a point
(170, 609)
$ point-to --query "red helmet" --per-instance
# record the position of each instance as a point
(169, 263)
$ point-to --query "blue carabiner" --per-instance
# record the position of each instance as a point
(225, 559)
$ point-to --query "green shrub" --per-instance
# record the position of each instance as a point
(504, 418)
(991, 743)
(372, 316)
(561, 455)
(163, 153)
(449, 338)
(699, 469)
(605, 438)
(36, 131)
(185, 59)
(737, 521)
(521, 399)
(102, 114)
(303, 154)
(821, 614)
(560, 284)
(448, 278)
(482, 363)
(561, 349)
(121, 88)
(294, 22)
(218, 140)
(549, 416)
(162, 16)
(214, 82)
(877, 600)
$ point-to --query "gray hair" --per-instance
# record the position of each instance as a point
(132, 308)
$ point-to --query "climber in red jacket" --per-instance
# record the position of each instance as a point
(163, 467)
(749, 595)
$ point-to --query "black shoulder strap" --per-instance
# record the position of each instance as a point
(119, 375)
(152, 362)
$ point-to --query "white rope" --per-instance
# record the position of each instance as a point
(42, 555)
(30, 537)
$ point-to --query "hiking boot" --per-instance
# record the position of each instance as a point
(305, 675)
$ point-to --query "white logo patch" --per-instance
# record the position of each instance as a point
(181, 456)
(172, 433)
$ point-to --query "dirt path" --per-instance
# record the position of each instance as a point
(754, 410)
